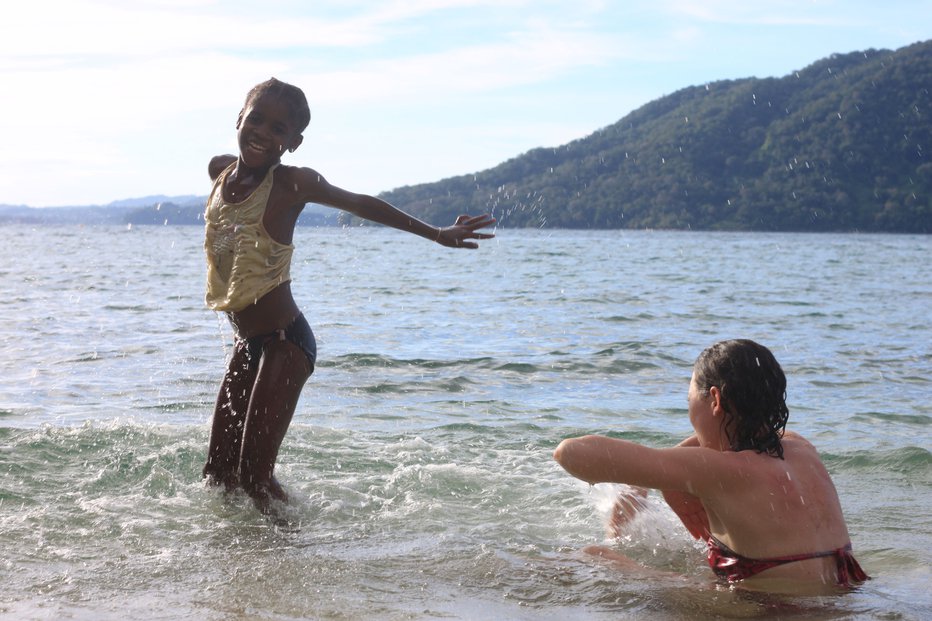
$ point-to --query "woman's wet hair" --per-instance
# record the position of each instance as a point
(753, 389)
(290, 94)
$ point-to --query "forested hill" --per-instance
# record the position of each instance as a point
(842, 145)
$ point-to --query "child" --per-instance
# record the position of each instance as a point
(759, 496)
(250, 219)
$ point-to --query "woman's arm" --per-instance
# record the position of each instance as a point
(599, 459)
(687, 507)
(691, 512)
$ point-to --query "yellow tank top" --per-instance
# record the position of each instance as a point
(243, 261)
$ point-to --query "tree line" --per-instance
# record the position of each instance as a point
(841, 145)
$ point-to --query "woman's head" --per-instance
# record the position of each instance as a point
(753, 393)
(292, 95)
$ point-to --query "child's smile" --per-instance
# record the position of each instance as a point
(266, 129)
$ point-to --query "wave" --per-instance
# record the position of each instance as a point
(909, 460)
(129, 451)
(362, 360)
(473, 508)
(609, 361)
(920, 420)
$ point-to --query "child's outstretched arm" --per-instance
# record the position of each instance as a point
(313, 188)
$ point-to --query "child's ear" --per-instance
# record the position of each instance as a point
(295, 143)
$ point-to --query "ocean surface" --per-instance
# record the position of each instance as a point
(419, 459)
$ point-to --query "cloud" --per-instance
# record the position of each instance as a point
(70, 77)
(66, 29)
(773, 13)
(524, 58)
(792, 13)
(102, 30)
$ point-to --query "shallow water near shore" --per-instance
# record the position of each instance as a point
(419, 461)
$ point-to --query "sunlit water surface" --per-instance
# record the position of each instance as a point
(420, 456)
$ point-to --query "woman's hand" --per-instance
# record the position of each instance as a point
(628, 504)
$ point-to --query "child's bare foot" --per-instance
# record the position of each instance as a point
(265, 495)
(213, 479)
(277, 491)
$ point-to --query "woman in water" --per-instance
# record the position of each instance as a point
(759, 496)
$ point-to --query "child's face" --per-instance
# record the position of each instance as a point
(266, 129)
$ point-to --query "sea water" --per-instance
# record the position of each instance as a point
(419, 460)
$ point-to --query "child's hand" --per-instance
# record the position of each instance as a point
(465, 228)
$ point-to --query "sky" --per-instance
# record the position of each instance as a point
(115, 99)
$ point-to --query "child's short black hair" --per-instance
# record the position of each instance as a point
(291, 94)
(753, 390)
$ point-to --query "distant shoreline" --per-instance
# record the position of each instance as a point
(500, 227)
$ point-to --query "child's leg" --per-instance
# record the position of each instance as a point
(282, 373)
(226, 431)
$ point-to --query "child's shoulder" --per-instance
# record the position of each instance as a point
(286, 171)
(299, 178)
(218, 164)
(298, 185)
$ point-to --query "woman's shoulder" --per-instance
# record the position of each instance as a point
(793, 439)
(801, 463)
